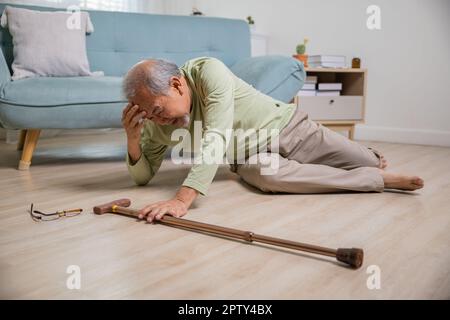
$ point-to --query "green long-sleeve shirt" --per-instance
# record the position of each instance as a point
(221, 101)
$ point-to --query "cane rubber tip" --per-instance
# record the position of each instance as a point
(108, 207)
(352, 256)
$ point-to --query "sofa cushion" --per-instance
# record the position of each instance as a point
(47, 43)
(280, 77)
(58, 91)
(81, 116)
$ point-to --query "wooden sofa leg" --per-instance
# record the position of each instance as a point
(351, 133)
(28, 148)
(21, 142)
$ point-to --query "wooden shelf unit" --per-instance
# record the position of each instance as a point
(340, 113)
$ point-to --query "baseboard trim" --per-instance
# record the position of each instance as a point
(403, 135)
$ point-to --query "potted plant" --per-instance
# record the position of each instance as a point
(251, 22)
(301, 49)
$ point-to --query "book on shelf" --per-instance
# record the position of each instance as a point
(328, 93)
(327, 61)
(311, 79)
(330, 86)
(326, 65)
(326, 58)
(309, 86)
(306, 93)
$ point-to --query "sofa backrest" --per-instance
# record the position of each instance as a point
(121, 39)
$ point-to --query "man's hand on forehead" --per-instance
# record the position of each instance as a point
(132, 121)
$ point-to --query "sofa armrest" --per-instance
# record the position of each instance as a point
(5, 76)
(280, 77)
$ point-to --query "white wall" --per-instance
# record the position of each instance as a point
(408, 59)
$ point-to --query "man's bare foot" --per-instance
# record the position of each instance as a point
(401, 182)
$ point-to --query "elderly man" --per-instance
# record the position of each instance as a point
(310, 158)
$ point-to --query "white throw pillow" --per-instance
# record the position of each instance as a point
(48, 43)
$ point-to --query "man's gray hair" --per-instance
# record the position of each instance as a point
(152, 74)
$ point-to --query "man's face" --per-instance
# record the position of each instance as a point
(172, 109)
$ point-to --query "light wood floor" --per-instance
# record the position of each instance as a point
(406, 234)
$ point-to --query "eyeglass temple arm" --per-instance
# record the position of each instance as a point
(72, 210)
(55, 213)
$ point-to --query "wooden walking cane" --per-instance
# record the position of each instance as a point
(351, 256)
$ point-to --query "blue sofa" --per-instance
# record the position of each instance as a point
(119, 41)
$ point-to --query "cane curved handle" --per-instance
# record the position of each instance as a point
(109, 207)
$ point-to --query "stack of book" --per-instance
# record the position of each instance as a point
(329, 89)
(309, 87)
(326, 61)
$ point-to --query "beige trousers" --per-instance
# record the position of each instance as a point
(313, 159)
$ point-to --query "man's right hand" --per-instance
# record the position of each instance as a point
(133, 121)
